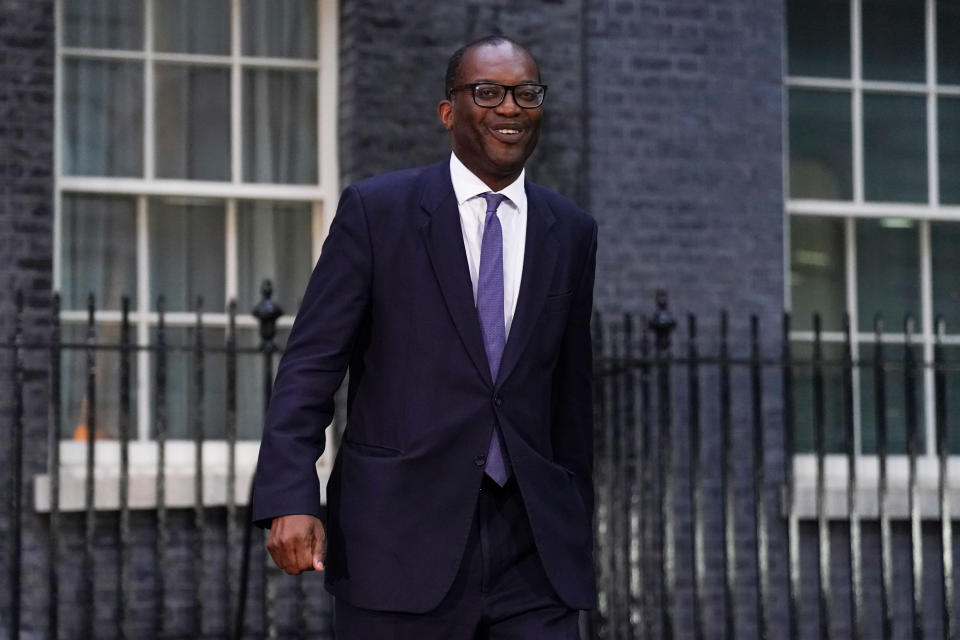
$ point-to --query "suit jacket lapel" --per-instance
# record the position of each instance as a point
(539, 258)
(444, 240)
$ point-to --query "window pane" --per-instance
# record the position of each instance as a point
(274, 241)
(103, 24)
(106, 400)
(102, 118)
(187, 253)
(888, 272)
(193, 122)
(804, 405)
(895, 396)
(280, 28)
(192, 26)
(895, 148)
(952, 361)
(182, 392)
(818, 38)
(816, 272)
(948, 117)
(894, 45)
(948, 45)
(944, 242)
(820, 145)
(280, 126)
(98, 251)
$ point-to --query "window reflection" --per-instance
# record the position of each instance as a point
(895, 148)
(280, 28)
(280, 126)
(103, 24)
(888, 271)
(821, 162)
(193, 115)
(274, 241)
(98, 250)
(817, 282)
(818, 38)
(187, 252)
(894, 40)
(102, 118)
(944, 242)
(192, 26)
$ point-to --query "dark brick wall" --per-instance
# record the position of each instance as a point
(686, 154)
(26, 220)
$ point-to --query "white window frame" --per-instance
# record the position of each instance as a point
(323, 196)
(805, 465)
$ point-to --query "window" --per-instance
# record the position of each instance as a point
(873, 101)
(195, 156)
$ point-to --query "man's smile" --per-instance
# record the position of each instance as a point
(506, 133)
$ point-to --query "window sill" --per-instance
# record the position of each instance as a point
(179, 476)
(868, 487)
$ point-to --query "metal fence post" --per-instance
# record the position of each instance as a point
(662, 324)
(855, 559)
(697, 561)
(728, 546)
(16, 470)
(948, 616)
(267, 313)
(90, 521)
(600, 616)
(230, 610)
(123, 522)
(160, 424)
(197, 419)
(53, 457)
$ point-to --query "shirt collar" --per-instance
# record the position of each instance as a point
(467, 185)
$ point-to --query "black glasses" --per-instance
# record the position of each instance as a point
(491, 94)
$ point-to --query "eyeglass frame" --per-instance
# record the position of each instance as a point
(506, 88)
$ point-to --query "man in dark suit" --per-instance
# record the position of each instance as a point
(459, 295)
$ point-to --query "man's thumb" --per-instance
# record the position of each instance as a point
(318, 553)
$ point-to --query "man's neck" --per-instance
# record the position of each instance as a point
(495, 184)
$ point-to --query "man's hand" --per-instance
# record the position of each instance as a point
(296, 543)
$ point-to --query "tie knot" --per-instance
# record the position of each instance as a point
(493, 201)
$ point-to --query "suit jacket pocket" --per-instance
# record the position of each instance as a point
(375, 450)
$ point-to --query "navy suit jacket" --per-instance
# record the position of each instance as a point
(391, 298)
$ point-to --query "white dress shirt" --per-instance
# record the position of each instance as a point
(468, 189)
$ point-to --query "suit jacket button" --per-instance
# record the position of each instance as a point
(497, 400)
(480, 461)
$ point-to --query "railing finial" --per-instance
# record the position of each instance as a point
(267, 313)
(662, 323)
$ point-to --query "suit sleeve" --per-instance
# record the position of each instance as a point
(573, 384)
(312, 367)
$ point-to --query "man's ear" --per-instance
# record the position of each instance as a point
(445, 111)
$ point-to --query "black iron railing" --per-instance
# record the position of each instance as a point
(238, 556)
(701, 529)
(699, 524)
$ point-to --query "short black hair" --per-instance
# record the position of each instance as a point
(456, 60)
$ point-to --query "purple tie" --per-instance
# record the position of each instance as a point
(490, 309)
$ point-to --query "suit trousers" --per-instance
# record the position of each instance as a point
(499, 593)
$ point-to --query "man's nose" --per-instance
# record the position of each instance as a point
(509, 106)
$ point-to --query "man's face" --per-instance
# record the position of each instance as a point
(493, 143)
